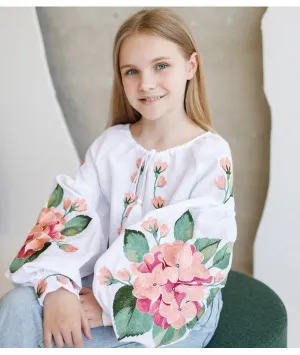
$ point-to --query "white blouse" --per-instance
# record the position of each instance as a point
(155, 227)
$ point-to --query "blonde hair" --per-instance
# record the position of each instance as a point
(163, 23)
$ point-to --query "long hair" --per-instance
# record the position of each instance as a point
(166, 24)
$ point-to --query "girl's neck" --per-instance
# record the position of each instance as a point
(165, 133)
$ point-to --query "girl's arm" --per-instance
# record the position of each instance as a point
(67, 238)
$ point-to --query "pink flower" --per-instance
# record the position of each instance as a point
(158, 202)
(219, 277)
(128, 211)
(150, 225)
(37, 243)
(170, 283)
(129, 198)
(80, 206)
(119, 230)
(148, 285)
(105, 277)
(161, 181)
(184, 264)
(138, 163)
(123, 275)
(220, 182)
(76, 205)
(62, 280)
(41, 288)
(178, 313)
(164, 230)
(226, 165)
(67, 203)
(160, 167)
(133, 177)
(68, 248)
(48, 227)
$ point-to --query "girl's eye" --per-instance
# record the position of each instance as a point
(131, 72)
(162, 66)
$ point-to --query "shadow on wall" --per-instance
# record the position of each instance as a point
(79, 43)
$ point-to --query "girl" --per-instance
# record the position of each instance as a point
(148, 221)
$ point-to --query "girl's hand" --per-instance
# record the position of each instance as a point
(92, 309)
(64, 320)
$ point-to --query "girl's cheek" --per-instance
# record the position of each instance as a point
(129, 86)
(168, 80)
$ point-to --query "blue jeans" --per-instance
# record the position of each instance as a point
(21, 324)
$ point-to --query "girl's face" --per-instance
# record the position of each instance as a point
(154, 75)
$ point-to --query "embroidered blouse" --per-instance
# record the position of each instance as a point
(155, 227)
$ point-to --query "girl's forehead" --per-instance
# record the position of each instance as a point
(147, 47)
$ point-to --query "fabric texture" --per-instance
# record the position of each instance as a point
(20, 310)
(156, 228)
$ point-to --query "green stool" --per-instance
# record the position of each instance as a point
(253, 316)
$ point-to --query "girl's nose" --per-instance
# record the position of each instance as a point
(147, 83)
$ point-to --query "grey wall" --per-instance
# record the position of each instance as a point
(35, 143)
(78, 45)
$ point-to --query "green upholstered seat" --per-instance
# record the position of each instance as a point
(253, 316)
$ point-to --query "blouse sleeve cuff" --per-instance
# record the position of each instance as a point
(106, 319)
(53, 283)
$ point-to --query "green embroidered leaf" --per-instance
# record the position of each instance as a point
(166, 336)
(19, 262)
(222, 258)
(192, 323)
(207, 247)
(135, 245)
(16, 264)
(128, 319)
(124, 299)
(212, 294)
(76, 225)
(56, 197)
(184, 227)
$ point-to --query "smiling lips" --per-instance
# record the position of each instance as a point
(148, 100)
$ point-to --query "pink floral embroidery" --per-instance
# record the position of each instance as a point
(41, 288)
(150, 225)
(164, 230)
(76, 205)
(105, 277)
(226, 165)
(225, 182)
(158, 202)
(63, 280)
(160, 167)
(133, 177)
(48, 227)
(123, 275)
(160, 182)
(129, 199)
(170, 283)
(68, 248)
(220, 182)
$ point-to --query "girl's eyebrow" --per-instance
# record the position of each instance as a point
(152, 61)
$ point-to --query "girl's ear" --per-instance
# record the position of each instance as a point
(192, 65)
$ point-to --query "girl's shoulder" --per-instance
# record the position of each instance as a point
(108, 139)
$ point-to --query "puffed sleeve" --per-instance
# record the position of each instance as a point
(159, 277)
(68, 237)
